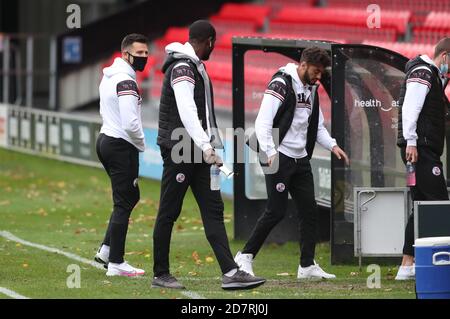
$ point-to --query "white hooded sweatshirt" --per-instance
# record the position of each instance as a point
(294, 143)
(183, 87)
(120, 104)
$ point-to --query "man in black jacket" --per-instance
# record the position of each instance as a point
(187, 109)
(421, 134)
(291, 106)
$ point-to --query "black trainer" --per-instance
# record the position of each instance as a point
(241, 280)
(167, 281)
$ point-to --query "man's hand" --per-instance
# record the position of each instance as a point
(210, 157)
(218, 161)
(340, 154)
(411, 154)
(271, 159)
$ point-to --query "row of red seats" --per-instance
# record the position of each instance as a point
(413, 5)
(435, 27)
(341, 17)
(252, 13)
(437, 20)
(410, 50)
(427, 36)
(349, 33)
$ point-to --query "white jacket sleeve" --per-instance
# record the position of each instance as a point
(418, 85)
(183, 84)
(274, 96)
(129, 108)
(323, 137)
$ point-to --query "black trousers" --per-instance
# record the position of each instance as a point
(175, 181)
(293, 176)
(121, 161)
(430, 185)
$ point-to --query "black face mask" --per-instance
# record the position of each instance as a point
(139, 62)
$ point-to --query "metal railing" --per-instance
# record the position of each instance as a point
(18, 80)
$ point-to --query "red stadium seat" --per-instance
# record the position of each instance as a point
(397, 20)
(435, 27)
(254, 13)
(410, 50)
(413, 5)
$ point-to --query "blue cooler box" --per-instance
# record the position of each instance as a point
(432, 267)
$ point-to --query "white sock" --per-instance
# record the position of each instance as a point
(231, 272)
(104, 250)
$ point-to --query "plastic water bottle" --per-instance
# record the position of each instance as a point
(215, 178)
(410, 174)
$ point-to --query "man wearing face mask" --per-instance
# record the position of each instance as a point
(120, 140)
(421, 134)
(291, 106)
(187, 105)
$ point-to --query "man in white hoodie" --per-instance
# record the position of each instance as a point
(120, 140)
(187, 107)
(291, 106)
(421, 135)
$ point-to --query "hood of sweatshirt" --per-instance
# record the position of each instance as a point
(178, 51)
(119, 66)
(291, 69)
(419, 60)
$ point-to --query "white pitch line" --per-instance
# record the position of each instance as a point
(9, 236)
(192, 295)
(11, 293)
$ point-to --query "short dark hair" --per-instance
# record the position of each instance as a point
(316, 56)
(201, 30)
(131, 38)
(442, 46)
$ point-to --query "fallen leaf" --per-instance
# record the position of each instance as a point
(209, 259)
(25, 265)
(283, 274)
(195, 255)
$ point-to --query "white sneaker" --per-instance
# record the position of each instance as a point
(313, 272)
(102, 256)
(406, 273)
(245, 262)
(124, 269)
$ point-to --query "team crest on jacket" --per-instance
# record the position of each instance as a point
(135, 182)
(280, 187)
(180, 178)
(436, 171)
